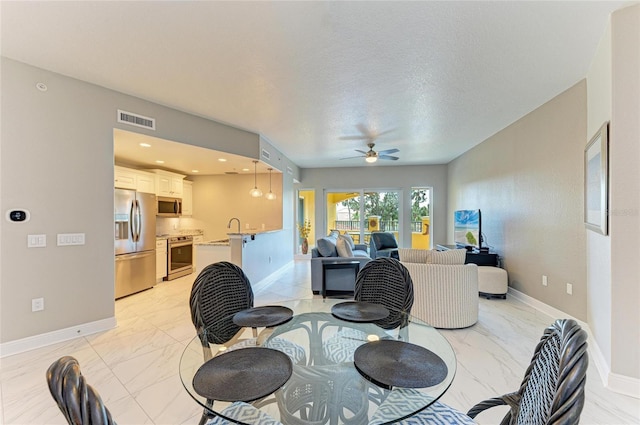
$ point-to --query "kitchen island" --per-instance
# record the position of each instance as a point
(259, 254)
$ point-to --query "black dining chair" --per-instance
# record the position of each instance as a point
(79, 402)
(551, 393)
(387, 282)
(383, 281)
(219, 292)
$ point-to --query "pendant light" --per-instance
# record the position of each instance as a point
(270, 196)
(255, 192)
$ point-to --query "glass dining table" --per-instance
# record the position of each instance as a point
(331, 361)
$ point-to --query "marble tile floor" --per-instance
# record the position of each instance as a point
(134, 366)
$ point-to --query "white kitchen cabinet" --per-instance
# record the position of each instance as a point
(124, 178)
(145, 182)
(187, 199)
(161, 259)
(168, 184)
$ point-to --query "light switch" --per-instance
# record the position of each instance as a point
(66, 239)
(36, 241)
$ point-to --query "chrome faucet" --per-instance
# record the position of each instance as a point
(236, 219)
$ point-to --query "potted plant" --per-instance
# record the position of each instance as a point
(305, 230)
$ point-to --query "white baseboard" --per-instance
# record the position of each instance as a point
(37, 341)
(614, 382)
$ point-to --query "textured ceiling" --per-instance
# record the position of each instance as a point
(436, 78)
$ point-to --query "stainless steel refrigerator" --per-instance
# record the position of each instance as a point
(135, 241)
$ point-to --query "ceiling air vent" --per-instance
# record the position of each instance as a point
(137, 120)
(266, 154)
(231, 172)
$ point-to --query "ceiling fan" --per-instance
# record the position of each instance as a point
(373, 156)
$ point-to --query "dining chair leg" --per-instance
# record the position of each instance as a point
(206, 414)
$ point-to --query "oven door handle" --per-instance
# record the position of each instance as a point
(179, 244)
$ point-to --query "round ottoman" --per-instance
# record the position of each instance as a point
(492, 282)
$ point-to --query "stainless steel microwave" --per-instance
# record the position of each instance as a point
(169, 207)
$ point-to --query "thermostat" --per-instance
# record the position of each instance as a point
(18, 216)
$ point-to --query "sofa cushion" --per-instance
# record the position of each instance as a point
(343, 247)
(360, 253)
(452, 257)
(384, 240)
(327, 246)
(349, 239)
(411, 255)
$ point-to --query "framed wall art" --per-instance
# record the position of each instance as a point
(596, 181)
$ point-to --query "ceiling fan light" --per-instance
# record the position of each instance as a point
(371, 159)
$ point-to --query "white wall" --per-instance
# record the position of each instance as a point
(599, 246)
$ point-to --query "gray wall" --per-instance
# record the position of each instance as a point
(527, 180)
(57, 161)
(383, 177)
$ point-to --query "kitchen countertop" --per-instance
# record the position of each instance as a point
(186, 232)
(251, 232)
(220, 242)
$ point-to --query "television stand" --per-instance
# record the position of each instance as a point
(475, 257)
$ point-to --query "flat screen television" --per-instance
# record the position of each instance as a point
(467, 229)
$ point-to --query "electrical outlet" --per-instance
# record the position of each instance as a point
(569, 289)
(544, 280)
(37, 304)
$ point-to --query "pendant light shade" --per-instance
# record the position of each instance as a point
(270, 196)
(255, 192)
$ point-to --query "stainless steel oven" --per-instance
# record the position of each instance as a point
(180, 257)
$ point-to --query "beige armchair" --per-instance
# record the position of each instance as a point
(445, 296)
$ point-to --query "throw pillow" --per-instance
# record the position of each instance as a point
(327, 247)
(343, 248)
(349, 240)
(451, 257)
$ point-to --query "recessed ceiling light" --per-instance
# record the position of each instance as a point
(158, 161)
(222, 160)
(245, 169)
(145, 145)
(195, 171)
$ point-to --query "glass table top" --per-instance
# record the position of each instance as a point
(325, 384)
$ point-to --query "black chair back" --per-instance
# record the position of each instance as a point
(552, 391)
(220, 291)
(79, 402)
(386, 281)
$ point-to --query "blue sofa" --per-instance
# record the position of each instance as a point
(326, 249)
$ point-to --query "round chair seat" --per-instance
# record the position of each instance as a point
(492, 282)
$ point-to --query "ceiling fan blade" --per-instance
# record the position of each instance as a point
(354, 138)
(392, 158)
(362, 152)
(391, 130)
(352, 157)
(387, 151)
